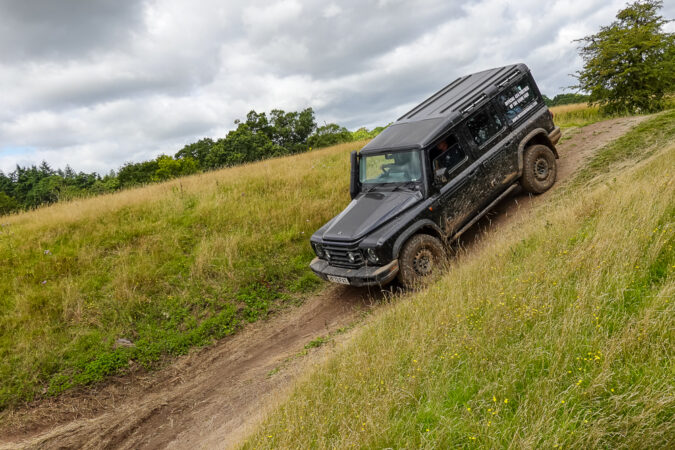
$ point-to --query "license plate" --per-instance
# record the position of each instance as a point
(341, 280)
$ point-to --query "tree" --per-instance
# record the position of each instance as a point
(241, 146)
(329, 134)
(132, 174)
(7, 204)
(198, 151)
(565, 99)
(629, 66)
(168, 168)
(291, 130)
(363, 133)
(46, 191)
(45, 169)
(6, 184)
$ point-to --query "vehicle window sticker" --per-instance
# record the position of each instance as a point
(518, 100)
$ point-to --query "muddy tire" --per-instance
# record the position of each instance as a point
(421, 256)
(539, 169)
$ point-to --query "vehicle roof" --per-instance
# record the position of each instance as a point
(427, 121)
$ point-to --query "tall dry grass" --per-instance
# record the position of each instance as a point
(576, 115)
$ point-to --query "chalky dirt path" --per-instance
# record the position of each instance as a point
(214, 396)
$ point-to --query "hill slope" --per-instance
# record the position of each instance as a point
(214, 395)
(557, 332)
(165, 267)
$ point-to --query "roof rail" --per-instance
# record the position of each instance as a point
(474, 103)
(510, 77)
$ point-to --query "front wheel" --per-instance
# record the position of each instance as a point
(421, 256)
(539, 169)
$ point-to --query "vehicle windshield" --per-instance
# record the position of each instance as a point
(392, 167)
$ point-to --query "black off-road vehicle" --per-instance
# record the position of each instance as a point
(433, 173)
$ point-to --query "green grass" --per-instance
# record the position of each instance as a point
(168, 267)
(556, 332)
(647, 138)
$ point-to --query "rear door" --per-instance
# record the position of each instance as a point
(494, 149)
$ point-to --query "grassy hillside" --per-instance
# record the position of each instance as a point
(166, 267)
(558, 331)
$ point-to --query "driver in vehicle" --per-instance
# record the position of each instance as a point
(440, 149)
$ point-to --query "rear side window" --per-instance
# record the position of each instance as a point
(484, 125)
(518, 100)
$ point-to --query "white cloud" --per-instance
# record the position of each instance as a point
(132, 80)
(332, 10)
(271, 17)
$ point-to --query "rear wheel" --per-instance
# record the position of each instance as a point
(539, 169)
(421, 256)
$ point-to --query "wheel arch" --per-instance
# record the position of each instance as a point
(538, 136)
(424, 226)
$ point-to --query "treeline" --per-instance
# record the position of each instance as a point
(259, 137)
(30, 187)
(566, 99)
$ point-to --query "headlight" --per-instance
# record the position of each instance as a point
(372, 256)
(318, 249)
(351, 256)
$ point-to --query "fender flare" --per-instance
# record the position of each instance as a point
(531, 135)
(414, 228)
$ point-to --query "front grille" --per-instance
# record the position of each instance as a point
(339, 255)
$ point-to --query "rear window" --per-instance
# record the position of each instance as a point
(484, 125)
(518, 100)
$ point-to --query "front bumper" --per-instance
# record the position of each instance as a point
(363, 276)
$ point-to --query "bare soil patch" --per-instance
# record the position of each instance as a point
(211, 397)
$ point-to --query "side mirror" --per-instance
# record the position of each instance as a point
(354, 175)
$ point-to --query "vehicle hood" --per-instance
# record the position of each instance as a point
(367, 212)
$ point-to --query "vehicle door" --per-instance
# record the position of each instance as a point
(455, 172)
(495, 150)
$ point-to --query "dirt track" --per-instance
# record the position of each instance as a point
(211, 398)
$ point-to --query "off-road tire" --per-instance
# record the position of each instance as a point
(539, 169)
(421, 256)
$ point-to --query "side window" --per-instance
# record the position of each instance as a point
(484, 125)
(518, 100)
(447, 154)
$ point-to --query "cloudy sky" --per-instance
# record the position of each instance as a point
(97, 83)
